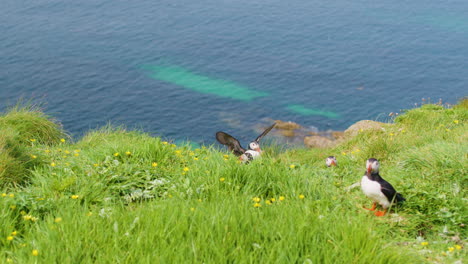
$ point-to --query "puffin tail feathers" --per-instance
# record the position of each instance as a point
(399, 198)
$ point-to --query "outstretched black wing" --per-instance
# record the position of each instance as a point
(232, 143)
(265, 132)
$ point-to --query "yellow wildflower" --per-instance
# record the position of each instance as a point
(154, 164)
(95, 164)
(256, 199)
(424, 243)
(268, 202)
(77, 150)
(391, 134)
(4, 194)
(257, 205)
(58, 220)
(165, 142)
(62, 140)
(456, 121)
(273, 199)
(76, 154)
(9, 260)
(178, 152)
(53, 164)
(35, 252)
(89, 214)
(75, 196)
(33, 156)
(186, 169)
(14, 233)
(458, 247)
(116, 154)
(221, 179)
(343, 153)
(191, 153)
(11, 195)
(451, 249)
(199, 200)
(47, 151)
(281, 198)
(226, 156)
(33, 140)
(195, 158)
(301, 196)
(67, 152)
(9, 238)
(192, 209)
(292, 166)
(34, 219)
(128, 153)
(27, 217)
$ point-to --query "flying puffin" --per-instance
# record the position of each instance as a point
(378, 189)
(233, 144)
(331, 161)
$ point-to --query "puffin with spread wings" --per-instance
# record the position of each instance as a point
(245, 155)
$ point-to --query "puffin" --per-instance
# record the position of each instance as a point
(245, 155)
(378, 189)
(331, 161)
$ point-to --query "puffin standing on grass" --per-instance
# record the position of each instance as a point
(331, 161)
(233, 144)
(378, 189)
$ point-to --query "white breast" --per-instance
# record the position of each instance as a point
(255, 155)
(372, 190)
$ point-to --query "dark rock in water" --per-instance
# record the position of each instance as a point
(287, 125)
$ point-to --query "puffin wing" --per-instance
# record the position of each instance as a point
(265, 132)
(232, 143)
(388, 190)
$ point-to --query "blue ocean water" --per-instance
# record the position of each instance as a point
(185, 69)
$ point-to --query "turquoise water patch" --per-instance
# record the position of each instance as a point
(202, 84)
(300, 109)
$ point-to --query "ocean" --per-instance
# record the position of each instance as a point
(184, 69)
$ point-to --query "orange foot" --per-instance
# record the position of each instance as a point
(380, 213)
(372, 208)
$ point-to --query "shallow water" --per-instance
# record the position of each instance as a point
(186, 69)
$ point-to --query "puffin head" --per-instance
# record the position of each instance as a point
(330, 161)
(254, 145)
(372, 165)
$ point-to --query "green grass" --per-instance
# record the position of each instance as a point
(119, 196)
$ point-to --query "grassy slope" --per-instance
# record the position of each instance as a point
(103, 199)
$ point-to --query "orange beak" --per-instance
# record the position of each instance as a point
(333, 163)
(369, 169)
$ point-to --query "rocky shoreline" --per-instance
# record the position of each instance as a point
(295, 133)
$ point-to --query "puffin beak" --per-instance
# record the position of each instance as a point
(333, 163)
(369, 169)
(258, 149)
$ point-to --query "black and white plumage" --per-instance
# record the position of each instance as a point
(331, 161)
(378, 189)
(233, 145)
